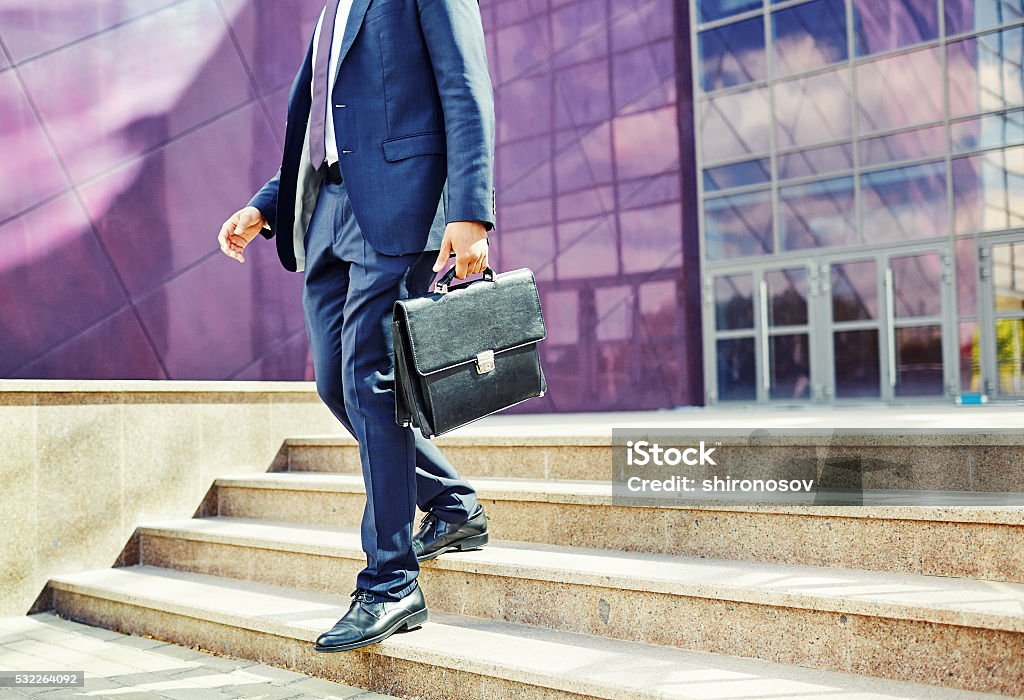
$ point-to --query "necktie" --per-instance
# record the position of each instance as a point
(318, 111)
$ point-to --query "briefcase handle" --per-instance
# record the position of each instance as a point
(442, 286)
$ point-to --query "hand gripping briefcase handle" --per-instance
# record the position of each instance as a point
(442, 284)
(468, 351)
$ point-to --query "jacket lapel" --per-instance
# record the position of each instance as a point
(355, 21)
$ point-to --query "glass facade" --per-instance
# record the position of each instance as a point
(861, 198)
(594, 193)
(723, 200)
(131, 130)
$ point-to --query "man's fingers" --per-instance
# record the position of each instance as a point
(237, 245)
(222, 238)
(466, 265)
(481, 264)
(443, 254)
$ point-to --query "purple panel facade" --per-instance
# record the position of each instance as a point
(135, 131)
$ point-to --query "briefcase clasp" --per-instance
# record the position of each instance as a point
(484, 361)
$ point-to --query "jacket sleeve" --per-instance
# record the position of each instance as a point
(266, 201)
(454, 35)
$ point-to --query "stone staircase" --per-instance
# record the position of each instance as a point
(580, 597)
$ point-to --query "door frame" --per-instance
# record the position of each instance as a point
(987, 315)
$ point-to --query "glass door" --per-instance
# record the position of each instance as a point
(888, 325)
(918, 287)
(760, 335)
(852, 293)
(785, 333)
(1002, 280)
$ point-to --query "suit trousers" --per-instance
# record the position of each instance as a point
(349, 291)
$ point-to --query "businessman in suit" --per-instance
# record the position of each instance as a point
(387, 171)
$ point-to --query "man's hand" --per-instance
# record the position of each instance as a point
(236, 233)
(468, 240)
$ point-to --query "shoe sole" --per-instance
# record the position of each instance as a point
(412, 622)
(469, 544)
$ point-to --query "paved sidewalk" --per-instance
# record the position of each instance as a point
(125, 667)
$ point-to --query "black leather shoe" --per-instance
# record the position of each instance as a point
(435, 536)
(371, 619)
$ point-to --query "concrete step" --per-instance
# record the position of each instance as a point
(479, 657)
(975, 460)
(921, 628)
(497, 455)
(974, 542)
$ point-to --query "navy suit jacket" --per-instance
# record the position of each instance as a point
(414, 123)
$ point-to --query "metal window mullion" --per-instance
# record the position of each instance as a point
(949, 328)
(763, 349)
(773, 146)
(707, 292)
(917, 321)
(851, 48)
(736, 333)
(865, 325)
(802, 329)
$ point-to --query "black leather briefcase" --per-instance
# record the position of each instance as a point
(467, 351)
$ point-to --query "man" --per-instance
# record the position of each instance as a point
(388, 157)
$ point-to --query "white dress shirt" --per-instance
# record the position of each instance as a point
(330, 144)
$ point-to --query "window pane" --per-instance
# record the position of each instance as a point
(749, 172)
(614, 313)
(883, 26)
(732, 55)
(561, 312)
(988, 131)
(818, 214)
(814, 109)
(738, 225)
(965, 15)
(919, 361)
(710, 10)
(815, 161)
(904, 203)
(917, 285)
(1010, 356)
(902, 90)
(966, 276)
(854, 291)
(790, 365)
(735, 364)
(660, 309)
(970, 358)
(986, 73)
(988, 190)
(787, 297)
(734, 302)
(906, 145)
(856, 364)
(735, 125)
(809, 36)
(1008, 277)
